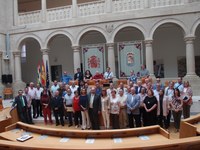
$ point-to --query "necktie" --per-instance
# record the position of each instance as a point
(22, 100)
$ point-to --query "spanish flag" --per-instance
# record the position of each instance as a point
(43, 75)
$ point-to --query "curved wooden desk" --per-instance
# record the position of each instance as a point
(190, 127)
(7, 117)
(137, 138)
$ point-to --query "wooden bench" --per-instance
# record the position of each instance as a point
(190, 127)
(7, 117)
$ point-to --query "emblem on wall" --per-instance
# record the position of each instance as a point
(93, 62)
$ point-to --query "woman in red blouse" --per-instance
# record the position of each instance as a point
(45, 102)
(76, 109)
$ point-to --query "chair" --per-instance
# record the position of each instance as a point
(91, 82)
(8, 93)
(76, 82)
(124, 81)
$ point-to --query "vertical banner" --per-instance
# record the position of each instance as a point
(94, 58)
(130, 57)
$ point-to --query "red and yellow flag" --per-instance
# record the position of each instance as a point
(43, 75)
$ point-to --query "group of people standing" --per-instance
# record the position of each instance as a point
(135, 104)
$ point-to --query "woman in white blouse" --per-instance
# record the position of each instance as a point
(114, 109)
(105, 109)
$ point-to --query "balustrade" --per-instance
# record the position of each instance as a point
(95, 8)
(59, 13)
(91, 8)
(29, 17)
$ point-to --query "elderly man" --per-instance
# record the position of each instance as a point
(32, 94)
(21, 103)
(94, 108)
(133, 104)
(57, 106)
(68, 98)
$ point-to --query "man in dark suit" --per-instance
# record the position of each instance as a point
(21, 103)
(139, 87)
(79, 75)
(58, 108)
(94, 108)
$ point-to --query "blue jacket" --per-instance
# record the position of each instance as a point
(133, 102)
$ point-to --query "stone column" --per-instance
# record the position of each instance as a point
(108, 6)
(190, 65)
(149, 57)
(190, 57)
(111, 57)
(77, 57)
(18, 84)
(74, 8)
(44, 10)
(17, 61)
(1, 85)
(15, 12)
(45, 58)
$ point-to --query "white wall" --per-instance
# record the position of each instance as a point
(34, 56)
(61, 53)
(168, 45)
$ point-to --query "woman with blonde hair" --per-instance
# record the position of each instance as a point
(105, 109)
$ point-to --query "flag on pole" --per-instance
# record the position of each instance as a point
(43, 75)
(38, 74)
(47, 75)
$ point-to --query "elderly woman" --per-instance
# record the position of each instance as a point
(187, 99)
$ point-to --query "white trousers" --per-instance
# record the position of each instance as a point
(106, 119)
(85, 119)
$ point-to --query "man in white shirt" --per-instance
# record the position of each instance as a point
(68, 98)
(38, 91)
(73, 87)
(32, 94)
(108, 75)
(54, 88)
(123, 112)
(110, 89)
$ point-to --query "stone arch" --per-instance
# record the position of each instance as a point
(35, 37)
(51, 35)
(98, 29)
(194, 27)
(164, 21)
(129, 24)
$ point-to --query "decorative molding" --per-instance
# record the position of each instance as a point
(110, 45)
(16, 53)
(109, 28)
(148, 43)
(45, 51)
(189, 39)
(76, 48)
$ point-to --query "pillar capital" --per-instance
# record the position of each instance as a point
(16, 53)
(148, 42)
(189, 39)
(45, 51)
(110, 44)
(76, 48)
